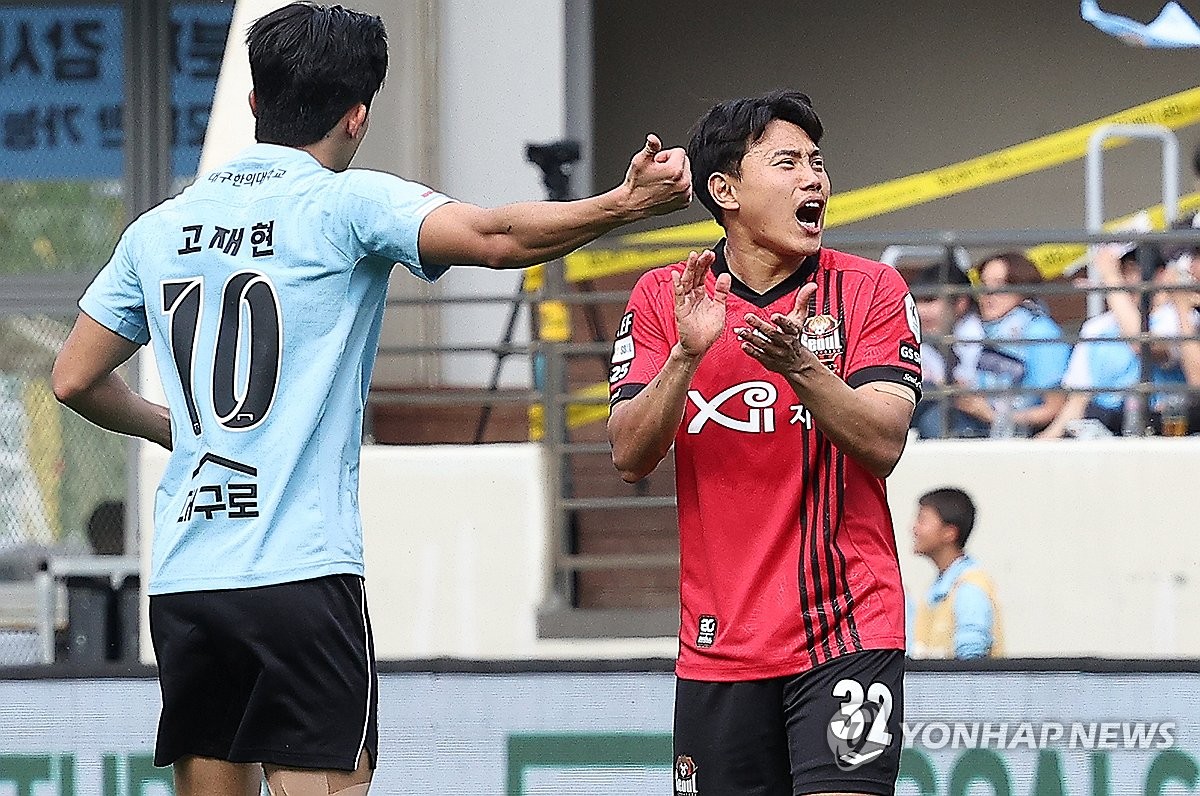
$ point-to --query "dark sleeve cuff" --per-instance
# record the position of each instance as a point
(624, 393)
(896, 375)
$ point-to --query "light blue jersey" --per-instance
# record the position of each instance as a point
(1004, 364)
(1099, 361)
(262, 289)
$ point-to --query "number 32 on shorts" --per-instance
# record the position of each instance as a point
(858, 731)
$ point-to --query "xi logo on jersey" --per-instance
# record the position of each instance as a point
(758, 399)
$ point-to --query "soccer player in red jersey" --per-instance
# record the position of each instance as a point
(785, 375)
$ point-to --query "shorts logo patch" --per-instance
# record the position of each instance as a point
(910, 353)
(706, 633)
(685, 775)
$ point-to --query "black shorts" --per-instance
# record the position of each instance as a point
(277, 674)
(833, 729)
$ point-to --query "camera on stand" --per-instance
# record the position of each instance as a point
(554, 159)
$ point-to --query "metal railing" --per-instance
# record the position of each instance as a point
(577, 453)
(563, 615)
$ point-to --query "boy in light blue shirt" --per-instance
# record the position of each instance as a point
(261, 288)
(958, 617)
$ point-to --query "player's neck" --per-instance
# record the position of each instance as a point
(758, 268)
(331, 154)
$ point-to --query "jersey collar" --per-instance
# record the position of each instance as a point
(276, 153)
(739, 288)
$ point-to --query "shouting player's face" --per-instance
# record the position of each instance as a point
(782, 191)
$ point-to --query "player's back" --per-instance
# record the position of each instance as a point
(264, 285)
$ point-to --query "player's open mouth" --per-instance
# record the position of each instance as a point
(809, 215)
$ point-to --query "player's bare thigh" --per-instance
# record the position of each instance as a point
(206, 776)
(309, 782)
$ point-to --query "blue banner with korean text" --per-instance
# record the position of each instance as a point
(62, 83)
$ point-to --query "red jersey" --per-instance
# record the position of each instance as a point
(787, 551)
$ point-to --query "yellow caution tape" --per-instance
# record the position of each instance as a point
(554, 321)
(1056, 259)
(1174, 111)
(577, 414)
(587, 264)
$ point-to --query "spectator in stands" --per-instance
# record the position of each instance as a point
(1014, 355)
(1184, 272)
(1100, 361)
(959, 616)
(945, 362)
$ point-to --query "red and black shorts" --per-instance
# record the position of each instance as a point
(833, 729)
(280, 674)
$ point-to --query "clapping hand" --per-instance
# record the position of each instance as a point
(699, 317)
(776, 344)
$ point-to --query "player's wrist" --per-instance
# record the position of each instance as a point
(686, 357)
(621, 204)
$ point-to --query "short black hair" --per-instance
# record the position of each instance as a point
(939, 274)
(720, 138)
(925, 280)
(955, 507)
(310, 64)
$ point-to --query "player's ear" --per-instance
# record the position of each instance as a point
(253, 104)
(723, 190)
(356, 121)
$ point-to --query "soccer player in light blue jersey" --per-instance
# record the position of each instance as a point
(261, 288)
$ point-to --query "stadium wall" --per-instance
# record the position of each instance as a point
(902, 88)
(1087, 541)
(535, 732)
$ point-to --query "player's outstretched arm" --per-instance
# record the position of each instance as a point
(518, 235)
(83, 379)
(641, 429)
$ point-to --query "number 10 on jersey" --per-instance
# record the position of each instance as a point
(245, 354)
